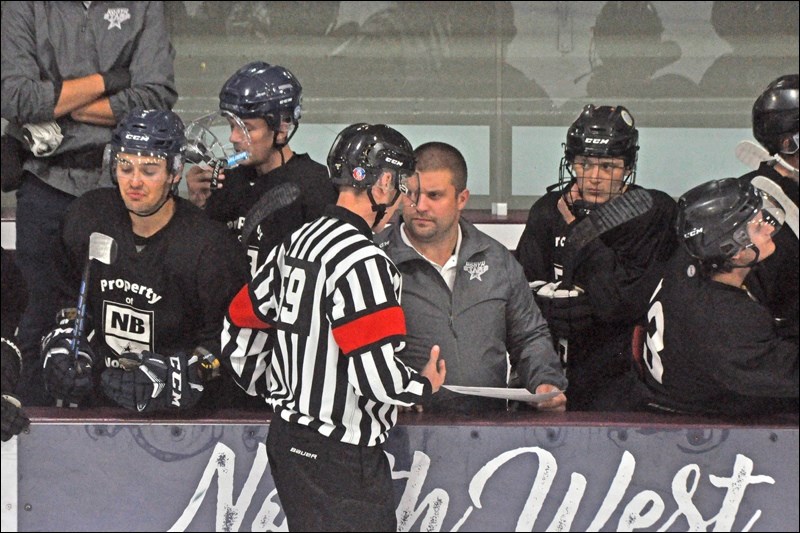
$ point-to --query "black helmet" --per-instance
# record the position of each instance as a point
(362, 152)
(261, 90)
(605, 131)
(712, 219)
(151, 132)
(154, 132)
(775, 115)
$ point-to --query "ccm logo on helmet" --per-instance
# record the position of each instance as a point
(137, 137)
(692, 233)
(596, 141)
(394, 161)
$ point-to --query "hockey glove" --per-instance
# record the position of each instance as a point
(66, 377)
(12, 363)
(14, 420)
(568, 311)
(148, 382)
(116, 80)
(43, 138)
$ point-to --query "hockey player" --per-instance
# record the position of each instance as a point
(320, 325)
(614, 274)
(14, 296)
(157, 310)
(267, 100)
(711, 347)
(776, 124)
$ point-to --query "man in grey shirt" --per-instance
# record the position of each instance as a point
(467, 292)
(70, 72)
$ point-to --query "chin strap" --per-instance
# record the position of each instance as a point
(379, 209)
(279, 146)
(782, 162)
(751, 263)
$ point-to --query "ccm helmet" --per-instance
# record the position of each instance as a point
(362, 152)
(261, 90)
(156, 133)
(775, 116)
(712, 220)
(605, 131)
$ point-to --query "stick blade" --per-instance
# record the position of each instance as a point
(278, 197)
(608, 216)
(102, 247)
(751, 154)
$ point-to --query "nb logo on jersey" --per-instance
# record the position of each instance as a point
(126, 328)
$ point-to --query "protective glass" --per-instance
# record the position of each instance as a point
(409, 186)
(145, 167)
(771, 213)
(791, 144)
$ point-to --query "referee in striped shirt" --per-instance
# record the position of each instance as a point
(318, 327)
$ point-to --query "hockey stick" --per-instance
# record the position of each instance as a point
(104, 249)
(278, 197)
(752, 154)
(608, 216)
(768, 186)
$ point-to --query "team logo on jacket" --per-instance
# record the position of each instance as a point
(116, 16)
(476, 269)
(359, 174)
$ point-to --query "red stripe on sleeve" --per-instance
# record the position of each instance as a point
(241, 312)
(370, 329)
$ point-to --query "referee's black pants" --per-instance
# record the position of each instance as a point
(327, 485)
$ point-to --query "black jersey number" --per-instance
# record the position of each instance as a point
(297, 303)
(293, 296)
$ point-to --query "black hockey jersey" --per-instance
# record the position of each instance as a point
(170, 296)
(776, 280)
(617, 271)
(243, 187)
(711, 349)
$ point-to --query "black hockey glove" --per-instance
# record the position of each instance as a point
(116, 79)
(568, 312)
(66, 377)
(147, 381)
(12, 364)
(14, 419)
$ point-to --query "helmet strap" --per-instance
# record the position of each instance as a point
(751, 263)
(794, 172)
(379, 209)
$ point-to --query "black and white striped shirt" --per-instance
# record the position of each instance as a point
(318, 328)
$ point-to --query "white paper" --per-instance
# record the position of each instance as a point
(522, 395)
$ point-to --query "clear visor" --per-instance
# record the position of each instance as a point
(790, 144)
(217, 136)
(771, 212)
(123, 161)
(409, 185)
